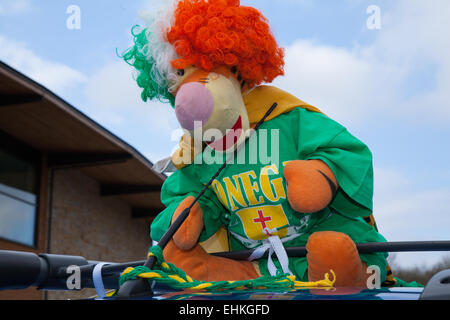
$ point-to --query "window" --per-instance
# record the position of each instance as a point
(18, 194)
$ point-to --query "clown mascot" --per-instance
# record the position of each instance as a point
(209, 60)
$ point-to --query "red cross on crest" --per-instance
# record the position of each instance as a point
(262, 219)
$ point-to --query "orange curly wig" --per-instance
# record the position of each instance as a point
(210, 34)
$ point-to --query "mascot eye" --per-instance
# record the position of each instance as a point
(234, 70)
(180, 72)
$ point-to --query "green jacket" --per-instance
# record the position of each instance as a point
(249, 196)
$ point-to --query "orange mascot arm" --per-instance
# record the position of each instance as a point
(187, 235)
(311, 185)
(187, 254)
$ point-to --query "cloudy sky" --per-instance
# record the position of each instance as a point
(386, 80)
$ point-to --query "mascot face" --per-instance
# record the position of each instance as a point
(200, 55)
(209, 106)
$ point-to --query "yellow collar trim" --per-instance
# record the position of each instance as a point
(261, 98)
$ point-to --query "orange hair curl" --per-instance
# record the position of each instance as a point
(210, 34)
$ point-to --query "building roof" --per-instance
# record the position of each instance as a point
(36, 116)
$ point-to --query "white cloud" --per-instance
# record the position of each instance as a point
(55, 76)
(405, 214)
(335, 80)
(112, 90)
(387, 77)
(114, 98)
(112, 87)
(412, 37)
(351, 85)
(9, 7)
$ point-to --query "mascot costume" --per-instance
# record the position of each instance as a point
(209, 60)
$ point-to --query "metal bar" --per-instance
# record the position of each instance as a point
(403, 246)
(19, 270)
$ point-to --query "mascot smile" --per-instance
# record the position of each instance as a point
(210, 59)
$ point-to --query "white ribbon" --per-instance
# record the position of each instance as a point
(273, 244)
(98, 280)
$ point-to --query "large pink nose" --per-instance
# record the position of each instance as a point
(194, 105)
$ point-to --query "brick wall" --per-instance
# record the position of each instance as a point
(97, 228)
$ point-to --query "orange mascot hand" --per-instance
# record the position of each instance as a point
(187, 254)
(311, 185)
(187, 235)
